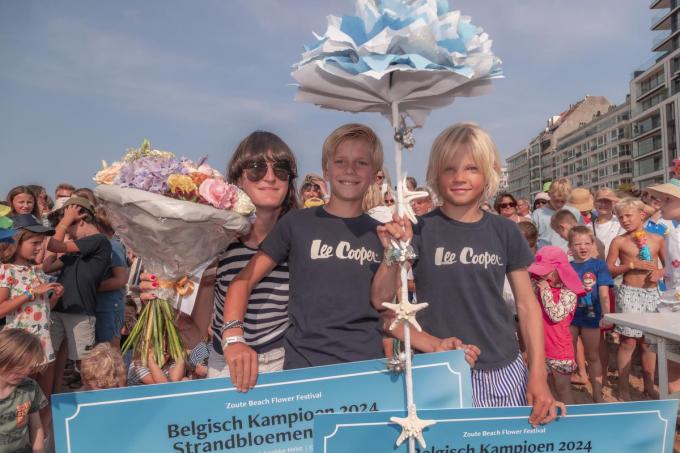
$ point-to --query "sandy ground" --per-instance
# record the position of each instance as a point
(583, 393)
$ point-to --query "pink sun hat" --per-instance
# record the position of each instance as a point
(552, 258)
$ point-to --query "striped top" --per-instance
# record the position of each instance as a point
(266, 318)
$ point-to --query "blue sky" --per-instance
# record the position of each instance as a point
(81, 81)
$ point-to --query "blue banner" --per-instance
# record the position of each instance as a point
(643, 426)
(276, 416)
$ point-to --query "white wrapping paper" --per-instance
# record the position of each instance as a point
(174, 238)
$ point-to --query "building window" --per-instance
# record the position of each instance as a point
(648, 165)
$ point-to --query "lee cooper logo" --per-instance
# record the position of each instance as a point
(343, 251)
(443, 257)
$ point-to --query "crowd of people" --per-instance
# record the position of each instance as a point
(522, 292)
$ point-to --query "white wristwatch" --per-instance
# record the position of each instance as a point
(231, 340)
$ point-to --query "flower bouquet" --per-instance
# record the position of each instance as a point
(177, 216)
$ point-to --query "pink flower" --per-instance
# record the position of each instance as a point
(218, 193)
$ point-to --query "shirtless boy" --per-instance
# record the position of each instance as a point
(638, 254)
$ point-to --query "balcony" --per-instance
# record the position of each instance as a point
(664, 43)
(646, 126)
(664, 20)
(660, 4)
(651, 85)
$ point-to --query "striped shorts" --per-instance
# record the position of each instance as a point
(501, 387)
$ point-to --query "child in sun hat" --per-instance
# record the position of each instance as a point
(557, 287)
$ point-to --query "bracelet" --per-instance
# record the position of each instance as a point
(28, 293)
(233, 324)
(398, 255)
(62, 226)
(231, 340)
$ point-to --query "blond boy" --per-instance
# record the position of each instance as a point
(639, 292)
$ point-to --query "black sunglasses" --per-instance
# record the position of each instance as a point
(256, 170)
(309, 185)
(507, 205)
(541, 202)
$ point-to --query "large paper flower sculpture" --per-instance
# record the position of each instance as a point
(417, 53)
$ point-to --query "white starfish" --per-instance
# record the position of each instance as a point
(409, 195)
(406, 312)
(412, 426)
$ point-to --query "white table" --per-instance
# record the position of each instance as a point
(661, 326)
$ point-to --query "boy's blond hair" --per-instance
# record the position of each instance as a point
(560, 188)
(581, 230)
(561, 217)
(20, 350)
(103, 368)
(629, 203)
(352, 131)
(465, 137)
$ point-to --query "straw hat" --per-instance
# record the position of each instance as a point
(581, 199)
(671, 188)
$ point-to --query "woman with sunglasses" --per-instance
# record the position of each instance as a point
(313, 191)
(264, 167)
(542, 199)
(506, 206)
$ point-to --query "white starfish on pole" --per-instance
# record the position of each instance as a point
(406, 312)
(412, 427)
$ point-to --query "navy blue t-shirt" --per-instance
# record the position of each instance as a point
(599, 269)
(460, 272)
(332, 261)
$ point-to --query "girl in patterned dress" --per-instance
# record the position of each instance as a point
(26, 295)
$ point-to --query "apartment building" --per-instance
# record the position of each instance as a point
(598, 153)
(655, 100)
(518, 174)
(503, 183)
(539, 155)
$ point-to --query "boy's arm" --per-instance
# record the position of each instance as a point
(604, 303)
(386, 279)
(241, 358)
(117, 280)
(531, 325)
(384, 285)
(36, 432)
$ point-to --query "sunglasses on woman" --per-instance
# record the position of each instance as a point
(310, 186)
(256, 170)
(508, 205)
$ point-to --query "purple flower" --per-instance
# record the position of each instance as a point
(149, 173)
